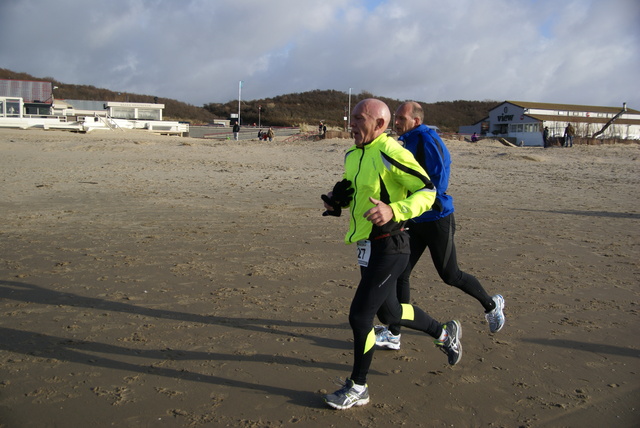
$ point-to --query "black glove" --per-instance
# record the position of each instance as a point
(341, 196)
(342, 193)
(336, 212)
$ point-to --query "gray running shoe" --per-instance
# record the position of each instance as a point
(347, 397)
(495, 318)
(451, 344)
(385, 339)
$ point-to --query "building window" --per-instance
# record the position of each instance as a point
(13, 108)
(531, 127)
(123, 113)
(149, 114)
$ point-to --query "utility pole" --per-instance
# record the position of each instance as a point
(349, 112)
(239, 97)
(345, 118)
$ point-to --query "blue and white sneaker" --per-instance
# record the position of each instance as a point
(348, 396)
(495, 318)
(451, 344)
(385, 339)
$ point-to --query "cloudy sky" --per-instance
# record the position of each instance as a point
(197, 51)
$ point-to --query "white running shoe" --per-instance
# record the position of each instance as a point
(495, 318)
(385, 339)
(347, 396)
(451, 344)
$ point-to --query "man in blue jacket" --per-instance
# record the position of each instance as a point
(383, 186)
(434, 228)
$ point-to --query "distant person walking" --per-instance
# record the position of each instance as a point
(569, 132)
(270, 134)
(545, 136)
(236, 131)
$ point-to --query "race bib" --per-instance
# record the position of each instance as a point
(364, 252)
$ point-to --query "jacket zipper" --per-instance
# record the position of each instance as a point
(355, 194)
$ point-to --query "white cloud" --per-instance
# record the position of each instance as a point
(580, 51)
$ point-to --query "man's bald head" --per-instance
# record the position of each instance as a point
(369, 119)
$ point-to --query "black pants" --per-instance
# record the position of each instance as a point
(376, 295)
(438, 237)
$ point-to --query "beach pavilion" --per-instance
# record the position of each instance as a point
(522, 123)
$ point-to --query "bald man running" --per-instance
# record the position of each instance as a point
(383, 186)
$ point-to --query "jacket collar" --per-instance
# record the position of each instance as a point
(418, 129)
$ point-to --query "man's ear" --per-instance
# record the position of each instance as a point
(380, 124)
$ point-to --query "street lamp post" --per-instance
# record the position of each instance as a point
(239, 97)
(349, 112)
(259, 108)
(345, 118)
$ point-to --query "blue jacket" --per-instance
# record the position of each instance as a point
(433, 156)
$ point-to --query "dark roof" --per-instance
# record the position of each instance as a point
(570, 107)
(576, 119)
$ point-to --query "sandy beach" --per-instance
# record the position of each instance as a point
(154, 281)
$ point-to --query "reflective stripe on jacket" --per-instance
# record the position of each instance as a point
(386, 171)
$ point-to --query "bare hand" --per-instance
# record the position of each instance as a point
(380, 214)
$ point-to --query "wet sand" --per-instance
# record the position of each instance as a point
(153, 281)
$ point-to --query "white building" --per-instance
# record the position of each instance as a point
(106, 116)
(522, 123)
(31, 104)
(112, 109)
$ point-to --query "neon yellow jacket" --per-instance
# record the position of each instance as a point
(386, 171)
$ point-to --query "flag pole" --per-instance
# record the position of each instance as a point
(239, 97)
